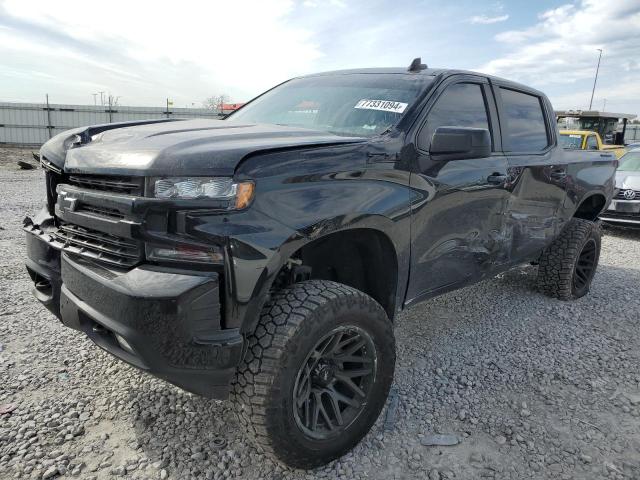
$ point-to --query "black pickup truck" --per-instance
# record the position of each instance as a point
(264, 257)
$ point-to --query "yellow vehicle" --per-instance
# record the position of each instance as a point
(586, 140)
(606, 125)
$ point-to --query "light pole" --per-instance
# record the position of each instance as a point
(595, 79)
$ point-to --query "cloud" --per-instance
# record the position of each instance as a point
(561, 46)
(316, 3)
(189, 51)
(558, 54)
(623, 98)
(486, 20)
(193, 49)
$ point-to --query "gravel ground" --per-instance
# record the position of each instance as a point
(532, 387)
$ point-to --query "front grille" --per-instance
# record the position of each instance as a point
(620, 195)
(125, 185)
(101, 211)
(109, 249)
(93, 244)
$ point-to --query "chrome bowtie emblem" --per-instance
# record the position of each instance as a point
(629, 194)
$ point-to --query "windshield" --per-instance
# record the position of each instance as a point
(630, 162)
(571, 141)
(359, 104)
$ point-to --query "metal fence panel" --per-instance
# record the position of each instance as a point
(33, 124)
(632, 133)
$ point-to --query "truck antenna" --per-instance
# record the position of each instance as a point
(417, 65)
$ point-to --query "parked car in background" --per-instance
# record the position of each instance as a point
(624, 209)
(586, 140)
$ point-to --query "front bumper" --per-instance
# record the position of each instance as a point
(162, 320)
(623, 212)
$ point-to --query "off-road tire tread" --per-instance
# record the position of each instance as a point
(557, 261)
(281, 318)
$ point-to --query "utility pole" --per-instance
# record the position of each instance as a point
(95, 96)
(595, 79)
(101, 98)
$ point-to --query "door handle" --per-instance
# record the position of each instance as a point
(558, 173)
(496, 178)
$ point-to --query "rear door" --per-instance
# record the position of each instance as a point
(456, 215)
(537, 173)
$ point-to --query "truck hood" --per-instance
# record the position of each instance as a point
(186, 147)
(628, 180)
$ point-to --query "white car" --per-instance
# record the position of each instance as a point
(625, 206)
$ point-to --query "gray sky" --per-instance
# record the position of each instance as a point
(189, 50)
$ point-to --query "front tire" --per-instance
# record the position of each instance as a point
(568, 265)
(316, 374)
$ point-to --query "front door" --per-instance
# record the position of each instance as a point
(457, 228)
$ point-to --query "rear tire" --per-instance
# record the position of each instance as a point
(567, 266)
(318, 346)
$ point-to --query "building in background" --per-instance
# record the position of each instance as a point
(227, 108)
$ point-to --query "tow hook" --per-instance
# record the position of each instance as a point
(43, 286)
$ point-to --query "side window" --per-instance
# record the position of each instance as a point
(592, 143)
(525, 125)
(461, 105)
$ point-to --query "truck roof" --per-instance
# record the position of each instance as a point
(428, 72)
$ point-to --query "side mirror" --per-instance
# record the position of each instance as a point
(458, 143)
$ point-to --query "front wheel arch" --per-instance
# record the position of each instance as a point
(362, 258)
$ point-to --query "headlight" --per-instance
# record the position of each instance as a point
(239, 194)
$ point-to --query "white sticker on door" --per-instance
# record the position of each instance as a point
(384, 105)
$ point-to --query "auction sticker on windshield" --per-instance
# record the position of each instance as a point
(384, 105)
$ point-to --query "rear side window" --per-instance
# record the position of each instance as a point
(461, 105)
(526, 130)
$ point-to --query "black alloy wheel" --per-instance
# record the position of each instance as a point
(333, 382)
(586, 265)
